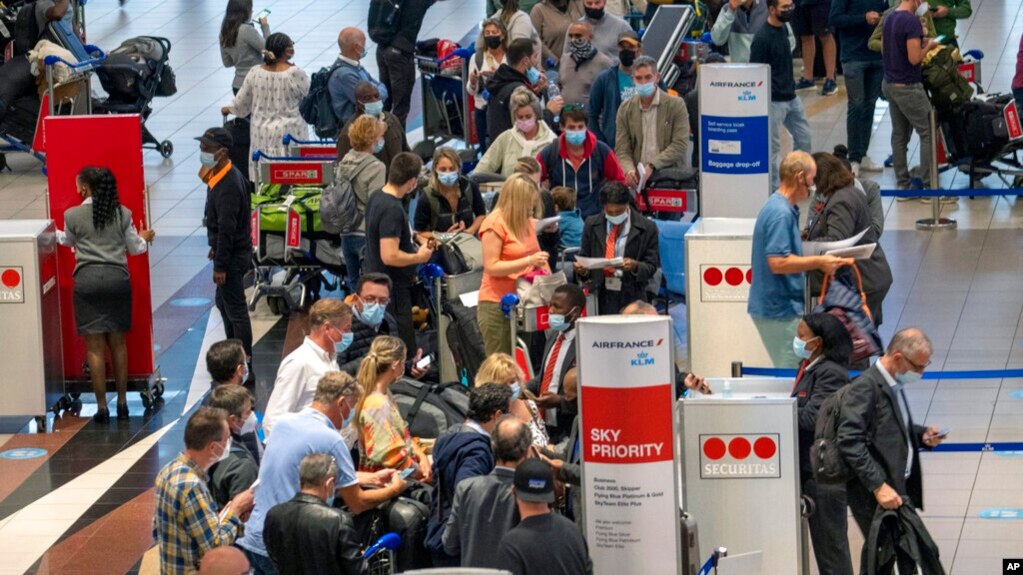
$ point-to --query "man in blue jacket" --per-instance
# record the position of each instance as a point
(612, 87)
(465, 452)
(349, 72)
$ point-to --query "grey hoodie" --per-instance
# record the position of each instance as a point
(367, 175)
(738, 28)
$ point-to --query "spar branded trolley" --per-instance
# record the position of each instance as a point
(309, 148)
(447, 106)
(293, 258)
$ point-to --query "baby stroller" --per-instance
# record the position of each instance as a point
(133, 74)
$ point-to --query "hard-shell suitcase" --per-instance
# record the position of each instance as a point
(690, 544)
(407, 517)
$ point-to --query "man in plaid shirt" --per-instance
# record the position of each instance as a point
(186, 524)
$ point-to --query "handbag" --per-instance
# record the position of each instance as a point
(842, 296)
(451, 259)
(535, 290)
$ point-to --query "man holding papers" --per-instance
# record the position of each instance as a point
(626, 242)
(776, 293)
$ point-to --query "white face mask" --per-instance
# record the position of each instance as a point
(223, 454)
(250, 425)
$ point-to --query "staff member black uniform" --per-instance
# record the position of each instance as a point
(228, 231)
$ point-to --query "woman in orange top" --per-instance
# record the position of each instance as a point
(510, 250)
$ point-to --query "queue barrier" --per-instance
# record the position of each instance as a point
(930, 193)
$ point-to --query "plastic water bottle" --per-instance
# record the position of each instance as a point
(726, 389)
(551, 64)
(553, 92)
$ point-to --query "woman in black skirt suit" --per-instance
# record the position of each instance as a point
(100, 230)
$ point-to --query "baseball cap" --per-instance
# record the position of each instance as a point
(534, 482)
(629, 38)
(219, 137)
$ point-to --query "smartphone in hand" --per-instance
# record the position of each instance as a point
(425, 362)
(262, 14)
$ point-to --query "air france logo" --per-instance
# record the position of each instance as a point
(641, 344)
(12, 285)
(726, 84)
(642, 358)
(740, 456)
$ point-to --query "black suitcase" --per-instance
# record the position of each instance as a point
(464, 340)
(691, 560)
(407, 517)
(20, 121)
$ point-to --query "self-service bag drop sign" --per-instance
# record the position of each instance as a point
(12, 285)
(627, 444)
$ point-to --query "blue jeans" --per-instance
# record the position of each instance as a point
(793, 116)
(863, 84)
(260, 564)
(351, 251)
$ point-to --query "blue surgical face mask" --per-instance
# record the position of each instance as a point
(348, 420)
(374, 108)
(646, 90)
(330, 500)
(208, 159)
(533, 75)
(372, 314)
(447, 178)
(575, 137)
(363, 54)
(378, 146)
(799, 348)
(516, 391)
(617, 220)
(909, 378)
(346, 340)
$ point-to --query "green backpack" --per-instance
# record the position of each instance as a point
(946, 87)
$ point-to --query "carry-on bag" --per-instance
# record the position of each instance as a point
(690, 544)
(464, 339)
(430, 409)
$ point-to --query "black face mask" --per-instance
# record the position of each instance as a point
(594, 13)
(493, 42)
(786, 15)
(627, 57)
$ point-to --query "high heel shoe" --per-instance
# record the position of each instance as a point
(122, 411)
(102, 416)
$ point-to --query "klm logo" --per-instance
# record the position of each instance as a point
(641, 360)
(747, 96)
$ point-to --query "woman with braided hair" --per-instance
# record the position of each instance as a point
(100, 230)
(271, 94)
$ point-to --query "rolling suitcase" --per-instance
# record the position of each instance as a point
(690, 544)
(407, 517)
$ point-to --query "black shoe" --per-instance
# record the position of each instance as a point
(102, 416)
(122, 411)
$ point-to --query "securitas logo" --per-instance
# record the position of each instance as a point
(736, 84)
(747, 96)
(641, 344)
(642, 358)
(12, 285)
(739, 456)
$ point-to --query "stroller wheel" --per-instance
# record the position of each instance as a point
(166, 148)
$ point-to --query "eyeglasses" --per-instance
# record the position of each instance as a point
(916, 368)
(384, 301)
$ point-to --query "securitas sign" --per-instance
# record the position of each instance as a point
(739, 456)
(12, 285)
(638, 344)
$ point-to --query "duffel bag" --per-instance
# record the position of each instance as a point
(430, 409)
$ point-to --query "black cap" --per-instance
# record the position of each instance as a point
(218, 137)
(534, 482)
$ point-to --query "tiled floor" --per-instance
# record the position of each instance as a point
(86, 507)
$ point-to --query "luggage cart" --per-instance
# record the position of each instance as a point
(310, 148)
(447, 107)
(295, 261)
(379, 557)
(451, 287)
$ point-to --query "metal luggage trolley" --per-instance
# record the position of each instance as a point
(309, 148)
(446, 104)
(379, 557)
(292, 261)
(451, 287)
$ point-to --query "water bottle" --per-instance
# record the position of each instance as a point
(485, 95)
(726, 389)
(551, 64)
(553, 92)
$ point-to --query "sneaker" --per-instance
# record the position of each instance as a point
(830, 88)
(855, 168)
(948, 200)
(889, 161)
(925, 201)
(804, 84)
(868, 165)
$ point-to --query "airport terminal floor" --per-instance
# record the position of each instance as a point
(81, 498)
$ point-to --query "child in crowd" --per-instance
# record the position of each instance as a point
(570, 226)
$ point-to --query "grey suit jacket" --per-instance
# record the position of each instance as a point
(672, 133)
(483, 511)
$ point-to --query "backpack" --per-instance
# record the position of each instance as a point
(947, 88)
(316, 108)
(827, 463)
(430, 409)
(339, 208)
(26, 29)
(464, 340)
(383, 20)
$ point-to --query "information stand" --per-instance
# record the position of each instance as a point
(734, 139)
(741, 473)
(718, 276)
(627, 446)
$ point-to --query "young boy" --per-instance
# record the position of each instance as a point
(570, 226)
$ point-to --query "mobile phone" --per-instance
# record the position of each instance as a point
(425, 362)
(405, 473)
(263, 14)
(940, 39)
(944, 431)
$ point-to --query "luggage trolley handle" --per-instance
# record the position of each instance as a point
(259, 155)
(50, 61)
(289, 139)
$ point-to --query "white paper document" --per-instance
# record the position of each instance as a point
(599, 263)
(856, 252)
(821, 248)
(470, 299)
(542, 225)
(641, 170)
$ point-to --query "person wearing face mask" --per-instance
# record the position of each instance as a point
(771, 46)
(551, 19)
(240, 467)
(777, 261)
(879, 439)
(502, 368)
(567, 306)
(519, 69)
(348, 72)
(450, 203)
(369, 303)
(307, 534)
(653, 126)
(384, 439)
(527, 136)
(314, 429)
(366, 174)
(580, 65)
(460, 454)
(823, 346)
(270, 96)
(482, 66)
(188, 523)
(619, 232)
(228, 233)
(607, 27)
(330, 332)
(227, 364)
(612, 87)
(368, 102)
(579, 161)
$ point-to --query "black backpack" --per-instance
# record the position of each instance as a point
(26, 29)
(826, 461)
(464, 340)
(316, 108)
(430, 409)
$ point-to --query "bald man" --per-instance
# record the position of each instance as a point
(580, 64)
(224, 561)
(348, 72)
